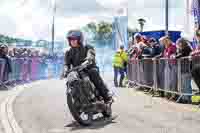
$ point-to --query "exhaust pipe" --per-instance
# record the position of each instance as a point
(95, 107)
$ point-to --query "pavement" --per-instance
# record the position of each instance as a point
(41, 108)
(3, 95)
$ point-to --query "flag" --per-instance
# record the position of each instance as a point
(196, 13)
(196, 10)
(120, 27)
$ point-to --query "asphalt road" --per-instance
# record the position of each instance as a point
(42, 109)
(3, 95)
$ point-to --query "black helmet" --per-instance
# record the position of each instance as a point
(75, 34)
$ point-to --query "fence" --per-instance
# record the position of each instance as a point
(29, 69)
(166, 75)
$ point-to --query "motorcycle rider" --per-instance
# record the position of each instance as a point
(79, 53)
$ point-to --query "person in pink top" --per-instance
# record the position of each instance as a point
(170, 48)
(169, 66)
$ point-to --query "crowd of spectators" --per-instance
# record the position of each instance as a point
(25, 52)
(20, 52)
(16, 60)
(142, 47)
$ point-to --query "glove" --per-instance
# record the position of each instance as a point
(90, 55)
(65, 72)
(62, 76)
(87, 62)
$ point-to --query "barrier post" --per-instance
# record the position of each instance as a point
(155, 84)
(2, 66)
(179, 76)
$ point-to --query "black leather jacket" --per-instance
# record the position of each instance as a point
(76, 56)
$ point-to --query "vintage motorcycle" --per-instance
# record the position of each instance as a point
(83, 98)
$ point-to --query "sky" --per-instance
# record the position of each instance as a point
(154, 13)
(31, 19)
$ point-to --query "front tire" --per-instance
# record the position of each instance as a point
(77, 115)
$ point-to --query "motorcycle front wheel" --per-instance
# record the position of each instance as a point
(82, 118)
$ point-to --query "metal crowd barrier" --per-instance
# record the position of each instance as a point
(2, 68)
(29, 69)
(166, 75)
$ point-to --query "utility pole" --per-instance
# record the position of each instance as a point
(187, 23)
(166, 17)
(53, 28)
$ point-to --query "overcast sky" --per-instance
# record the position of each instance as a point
(32, 19)
(154, 13)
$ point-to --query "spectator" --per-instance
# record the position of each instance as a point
(10, 53)
(169, 66)
(124, 56)
(145, 40)
(118, 67)
(29, 52)
(140, 42)
(148, 49)
(130, 42)
(157, 49)
(4, 55)
(136, 50)
(183, 48)
(169, 47)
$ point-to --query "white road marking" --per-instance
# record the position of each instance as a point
(8, 120)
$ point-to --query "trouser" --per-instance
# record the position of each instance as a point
(196, 74)
(186, 86)
(98, 83)
(117, 71)
(125, 68)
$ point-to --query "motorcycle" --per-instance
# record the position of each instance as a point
(83, 98)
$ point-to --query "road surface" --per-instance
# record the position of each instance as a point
(42, 109)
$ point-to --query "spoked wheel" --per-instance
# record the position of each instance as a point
(82, 118)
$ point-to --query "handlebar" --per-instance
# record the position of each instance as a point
(80, 67)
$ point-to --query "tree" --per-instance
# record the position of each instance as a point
(141, 22)
(101, 31)
(92, 27)
(104, 31)
(9, 40)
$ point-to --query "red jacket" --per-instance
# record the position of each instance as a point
(169, 51)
